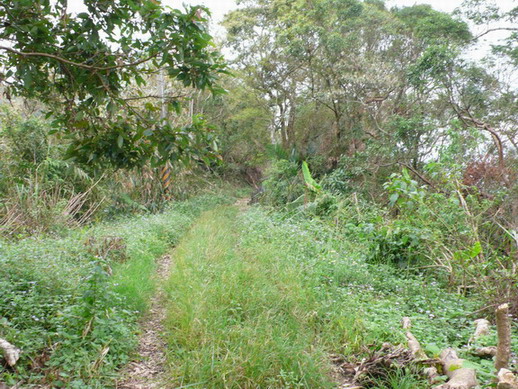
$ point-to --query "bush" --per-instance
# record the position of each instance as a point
(284, 184)
(399, 244)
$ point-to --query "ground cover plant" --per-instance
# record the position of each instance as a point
(262, 299)
(72, 304)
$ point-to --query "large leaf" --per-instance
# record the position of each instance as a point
(310, 181)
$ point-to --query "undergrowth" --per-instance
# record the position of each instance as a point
(263, 299)
(71, 304)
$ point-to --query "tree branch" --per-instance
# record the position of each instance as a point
(493, 30)
(77, 64)
(153, 97)
(420, 176)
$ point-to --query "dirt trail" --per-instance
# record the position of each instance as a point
(148, 371)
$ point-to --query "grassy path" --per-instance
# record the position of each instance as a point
(255, 300)
(238, 317)
(148, 371)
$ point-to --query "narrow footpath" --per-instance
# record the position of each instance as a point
(242, 303)
(148, 371)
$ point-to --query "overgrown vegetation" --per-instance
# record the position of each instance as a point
(43, 191)
(261, 299)
(90, 70)
(454, 235)
(382, 155)
(72, 303)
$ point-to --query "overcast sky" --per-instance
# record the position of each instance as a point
(220, 7)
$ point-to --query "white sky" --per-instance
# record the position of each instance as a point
(220, 7)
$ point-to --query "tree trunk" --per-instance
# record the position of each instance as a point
(290, 128)
(503, 329)
(336, 125)
(459, 377)
(282, 122)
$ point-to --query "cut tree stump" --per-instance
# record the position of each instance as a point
(459, 377)
(11, 353)
(503, 330)
(507, 380)
(418, 352)
(482, 328)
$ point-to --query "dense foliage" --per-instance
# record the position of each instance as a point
(44, 191)
(84, 66)
(381, 145)
(390, 109)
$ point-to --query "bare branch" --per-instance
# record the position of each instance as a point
(153, 97)
(493, 30)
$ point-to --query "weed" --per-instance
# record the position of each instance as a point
(72, 308)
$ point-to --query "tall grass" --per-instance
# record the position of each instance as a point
(72, 307)
(258, 300)
(243, 314)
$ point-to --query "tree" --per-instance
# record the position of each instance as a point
(493, 18)
(253, 33)
(81, 66)
(337, 71)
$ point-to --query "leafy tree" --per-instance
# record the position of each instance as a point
(242, 120)
(489, 14)
(81, 66)
(336, 72)
(432, 25)
(264, 60)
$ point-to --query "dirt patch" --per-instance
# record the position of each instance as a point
(148, 371)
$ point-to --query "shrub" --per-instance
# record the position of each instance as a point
(397, 243)
(284, 184)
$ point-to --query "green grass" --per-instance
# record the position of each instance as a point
(256, 299)
(402, 379)
(259, 300)
(61, 306)
(242, 314)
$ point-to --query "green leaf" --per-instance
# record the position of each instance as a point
(454, 367)
(433, 349)
(310, 182)
(393, 199)
(139, 80)
(471, 365)
(81, 124)
(476, 249)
